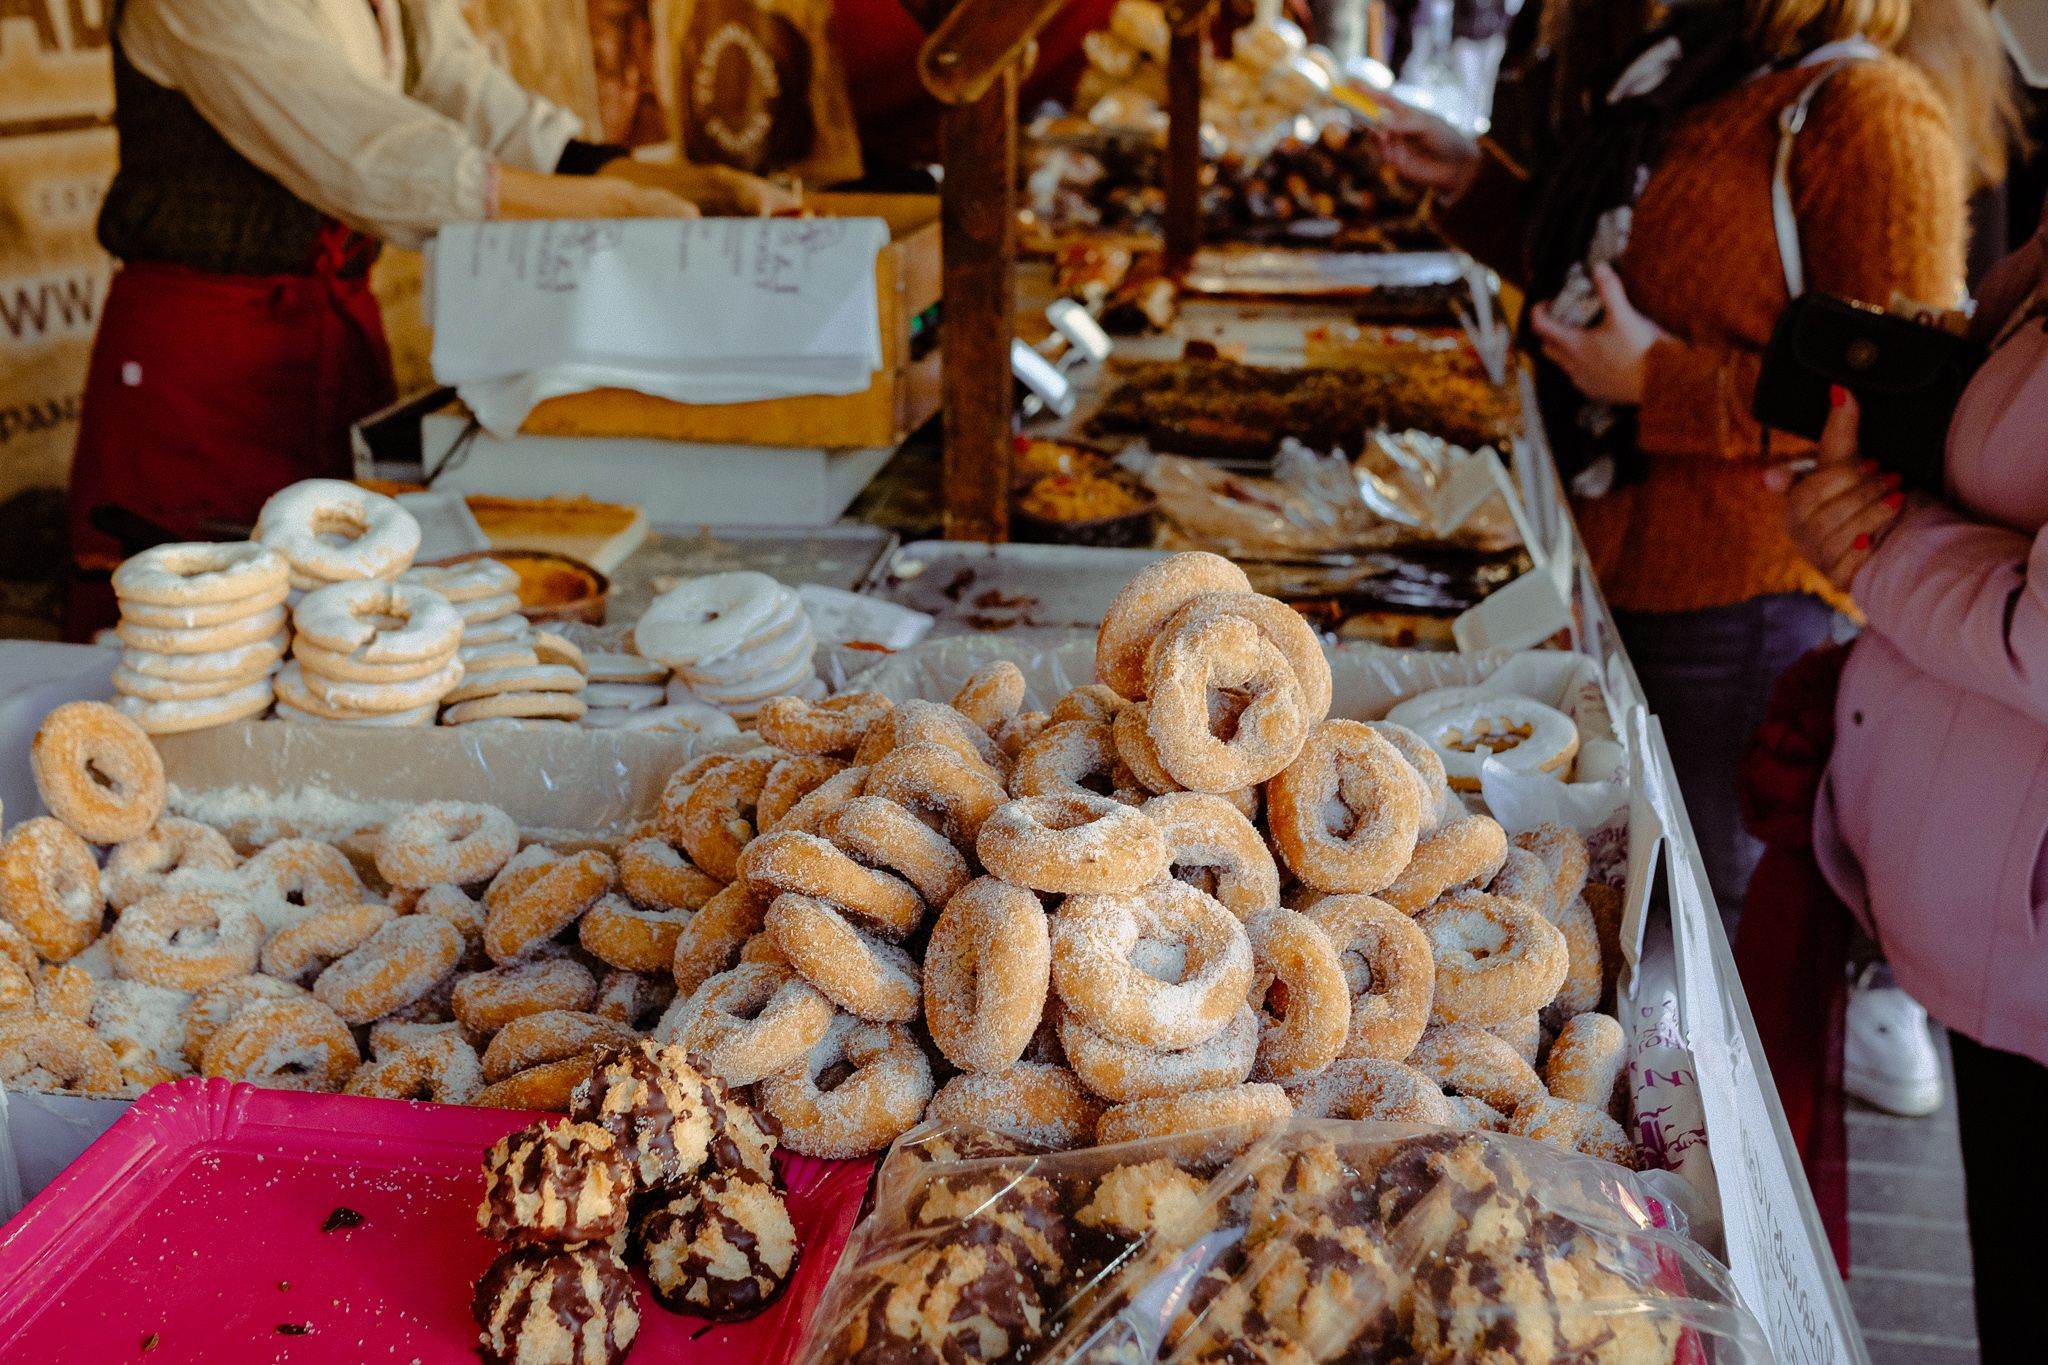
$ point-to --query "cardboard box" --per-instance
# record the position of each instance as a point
(903, 397)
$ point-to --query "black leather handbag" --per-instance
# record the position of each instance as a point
(1907, 375)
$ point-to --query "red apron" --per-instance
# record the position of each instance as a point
(207, 393)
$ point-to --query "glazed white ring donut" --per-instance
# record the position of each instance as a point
(243, 630)
(539, 678)
(623, 696)
(780, 683)
(242, 662)
(707, 618)
(772, 647)
(507, 654)
(480, 610)
(378, 698)
(683, 718)
(470, 581)
(325, 663)
(394, 720)
(559, 650)
(379, 623)
(337, 532)
(195, 573)
(517, 706)
(625, 668)
(1426, 704)
(176, 717)
(504, 630)
(1521, 733)
(202, 614)
(145, 688)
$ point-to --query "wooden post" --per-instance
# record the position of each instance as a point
(1184, 148)
(979, 241)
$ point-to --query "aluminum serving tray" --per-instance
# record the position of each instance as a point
(973, 587)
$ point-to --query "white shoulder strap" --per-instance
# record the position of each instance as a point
(1791, 119)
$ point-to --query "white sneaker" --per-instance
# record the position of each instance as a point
(1888, 1057)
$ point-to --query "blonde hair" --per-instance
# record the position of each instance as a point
(1952, 43)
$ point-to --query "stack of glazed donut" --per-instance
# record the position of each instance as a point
(333, 531)
(736, 641)
(370, 652)
(202, 630)
(1082, 912)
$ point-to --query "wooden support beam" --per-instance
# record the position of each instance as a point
(1184, 148)
(979, 241)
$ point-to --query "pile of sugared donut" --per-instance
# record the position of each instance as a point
(1081, 912)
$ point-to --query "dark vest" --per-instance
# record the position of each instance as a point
(184, 196)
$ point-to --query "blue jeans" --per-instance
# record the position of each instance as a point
(1708, 675)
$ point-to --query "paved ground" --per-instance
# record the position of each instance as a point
(1910, 1261)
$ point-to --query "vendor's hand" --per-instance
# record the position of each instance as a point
(1426, 151)
(1610, 360)
(750, 194)
(628, 200)
(1838, 513)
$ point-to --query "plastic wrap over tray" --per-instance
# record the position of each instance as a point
(1317, 1241)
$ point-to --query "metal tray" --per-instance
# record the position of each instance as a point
(970, 586)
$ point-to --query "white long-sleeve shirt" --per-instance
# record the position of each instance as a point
(314, 92)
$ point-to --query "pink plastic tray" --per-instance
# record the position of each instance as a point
(192, 1232)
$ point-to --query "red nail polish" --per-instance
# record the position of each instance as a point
(1894, 480)
(1837, 395)
(1895, 500)
(1867, 466)
(1863, 542)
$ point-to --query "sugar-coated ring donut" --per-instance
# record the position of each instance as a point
(630, 937)
(1292, 635)
(1224, 659)
(880, 1101)
(927, 722)
(1304, 1000)
(1197, 1112)
(712, 940)
(659, 877)
(1564, 853)
(1143, 605)
(356, 619)
(390, 969)
(787, 861)
(238, 664)
(992, 695)
(207, 641)
(50, 887)
(1090, 701)
(636, 999)
(64, 989)
(171, 851)
(1495, 960)
(1464, 850)
(97, 771)
(860, 973)
(1015, 734)
(706, 618)
(457, 842)
(1215, 849)
(1524, 1035)
(519, 921)
(1438, 802)
(939, 787)
(185, 939)
(546, 1036)
(438, 1069)
(486, 1001)
(1102, 947)
(547, 1088)
(790, 781)
(1073, 845)
(284, 1044)
(1036, 1103)
(753, 1021)
(879, 833)
(196, 573)
(718, 818)
(986, 973)
(333, 530)
(1576, 1128)
(676, 791)
(1373, 1089)
(299, 952)
(1525, 880)
(1587, 1060)
(78, 1059)
(1345, 814)
(808, 815)
(761, 948)
(831, 728)
(1519, 732)
(304, 872)
(1120, 1072)
(1585, 975)
(1472, 1062)
(1071, 758)
(1390, 971)
(1131, 730)
(210, 1009)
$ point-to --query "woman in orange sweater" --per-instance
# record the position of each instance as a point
(1651, 361)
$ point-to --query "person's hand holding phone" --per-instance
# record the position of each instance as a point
(1838, 512)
